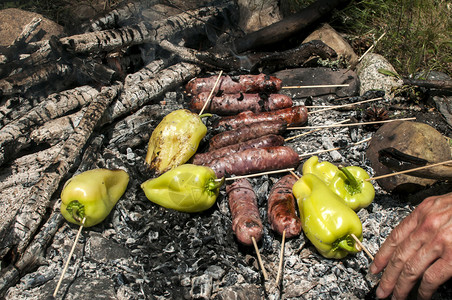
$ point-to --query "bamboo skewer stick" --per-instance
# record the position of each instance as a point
(312, 131)
(69, 258)
(332, 149)
(351, 124)
(315, 86)
(257, 174)
(281, 257)
(410, 170)
(259, 258)
(211, 92)
(371, 47)
(362, 246)
(345, 105)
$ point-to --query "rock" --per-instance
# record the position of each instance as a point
(255, 15)
(412, 138)
(14, 20)
(333, 39)
(372, 79)
(318, 76)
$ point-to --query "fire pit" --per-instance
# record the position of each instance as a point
(101, 112)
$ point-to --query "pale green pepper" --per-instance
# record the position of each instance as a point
(92, 195)
(175, 140)
(326, 220)
(187, 188)
(349, 183)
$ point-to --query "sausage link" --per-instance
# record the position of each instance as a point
(232, 85)
(255, 160)
(246, 222)
(246, 132)
(232, 104)
(282, 214)
(260, 142)
(294, 116)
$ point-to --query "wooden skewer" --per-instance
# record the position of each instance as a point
(69, 258)
(352, 124)
(315, 86)
(257, 174)
(259, 258)
(309, 132)
(410, 170)
(371, 47)
(281, 257)
(294, 174)
(344, 105)
(211, 92)
(362, 246)
(332, 149)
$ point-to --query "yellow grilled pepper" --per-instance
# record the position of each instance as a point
(325, 218)
(175, 140)
(92, 194)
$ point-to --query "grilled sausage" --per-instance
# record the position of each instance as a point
(232, 85)
(294, 116)
(255, 160)
(260, 142)
(246, 132)
(246, 222)
(232, 104)
(281, 207)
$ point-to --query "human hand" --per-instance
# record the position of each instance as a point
(419, 247)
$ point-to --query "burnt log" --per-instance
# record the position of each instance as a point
(15, 135)
(287, 27)
(17, 234)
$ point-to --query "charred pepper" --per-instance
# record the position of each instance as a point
(175, 140)
(326, 220)
(186, 188)
(92, 194)
(347, 182)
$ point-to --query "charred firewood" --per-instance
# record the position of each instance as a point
(287, 27)
(93, 70)
(148, 71)
(17, 234)
(118, 16)
(15, 107)
(146, 91)
(141, 33)
(32, 79)
(294, 58)
(15, 135)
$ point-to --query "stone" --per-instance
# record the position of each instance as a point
(412, 138)
(370, 77)
(256, 14)
(333, 39)
(14, 20)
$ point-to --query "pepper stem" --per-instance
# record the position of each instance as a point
(353, 184)
(344, 244)
(206, 115)
(77, 210)
(215, 184)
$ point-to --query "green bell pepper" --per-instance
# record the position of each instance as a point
(349, 183)
(326, 221)
(175, 140)
(92, 194)
(186, 188)
(324, 170)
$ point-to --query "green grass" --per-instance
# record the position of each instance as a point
(418, 32)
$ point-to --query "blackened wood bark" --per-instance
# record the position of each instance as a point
(147, 91)
(142, 32)
(15, 135)
(17, 234)
(435, 84)
(285, 28)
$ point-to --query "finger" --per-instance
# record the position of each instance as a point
(397, 236)
(436, 275)
(414, 267)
